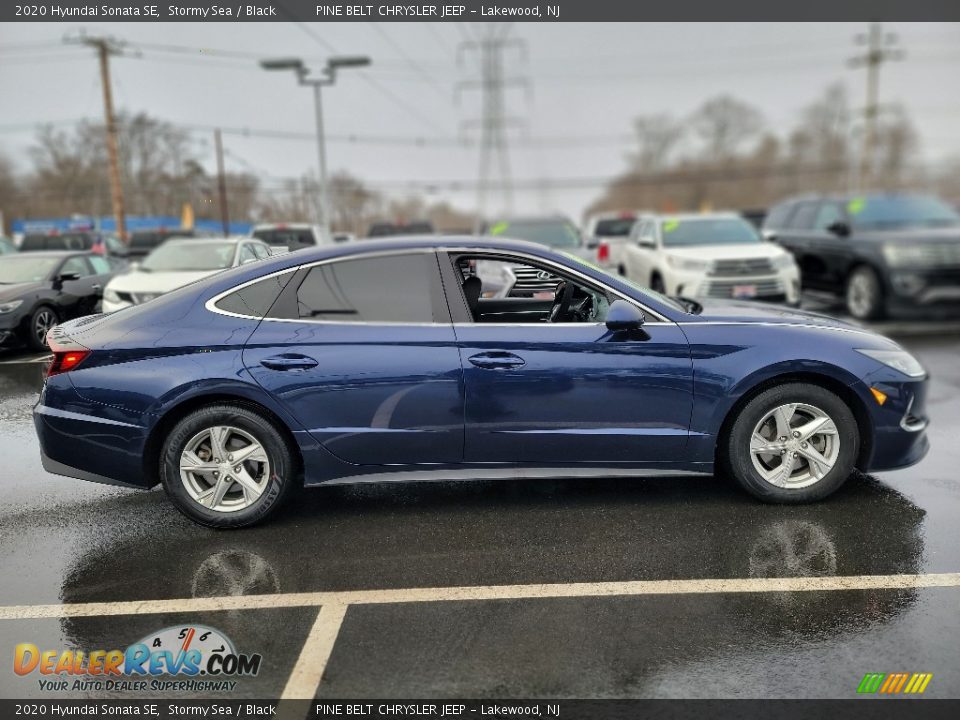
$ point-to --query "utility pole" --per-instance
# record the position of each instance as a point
(222, 183)
(491, 44)
(105, 47)
(879, 49)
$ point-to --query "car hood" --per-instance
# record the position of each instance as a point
(155, 282)
(733, 311)
(15, 292)
(727, 252)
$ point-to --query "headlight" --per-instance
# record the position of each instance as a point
(783, 261)
(9, 307)
(690, 264)
(907, 255)
(897, 359)
(111, 296)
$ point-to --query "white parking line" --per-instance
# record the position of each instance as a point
(308, 670)
(482, 592)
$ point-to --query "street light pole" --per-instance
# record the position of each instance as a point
(328, 77)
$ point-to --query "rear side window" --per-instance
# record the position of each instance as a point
(395, 288)
(255, 300)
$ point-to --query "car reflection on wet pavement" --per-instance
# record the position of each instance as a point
(66, 541)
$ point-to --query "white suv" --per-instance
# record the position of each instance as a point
(715, 255)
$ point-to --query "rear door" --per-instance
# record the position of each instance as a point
(362, 353)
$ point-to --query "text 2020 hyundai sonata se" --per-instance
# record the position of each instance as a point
(390, 360)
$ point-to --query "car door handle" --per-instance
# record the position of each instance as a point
(497, 360)
(289, 362)
(96, 288)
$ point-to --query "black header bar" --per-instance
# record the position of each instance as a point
(79, 11)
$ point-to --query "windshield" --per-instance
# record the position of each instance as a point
(619, 227)
(26, 268)
(900, 211)
(190, 255)
(288, 238)
(608, 276)
(553, 233)
(708, 231)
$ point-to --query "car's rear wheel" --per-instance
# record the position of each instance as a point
(864, 294)
(227, 466)
(42, 321)
(793, 443)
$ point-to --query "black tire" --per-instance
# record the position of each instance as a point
(41, 315)
(737, 461)
(283, 475)
(657, 285)
(863, 294)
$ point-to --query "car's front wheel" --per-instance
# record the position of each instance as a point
(227, 466)
(864, 294)
(792, 443)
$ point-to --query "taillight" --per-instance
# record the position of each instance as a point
(67, 353)
(603, 252)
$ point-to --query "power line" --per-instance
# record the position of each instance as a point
(429, 79)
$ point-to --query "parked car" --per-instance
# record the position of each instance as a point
(42, 288)
(557, 232)
(718, 255)
(344, 237)
(178, 262)
(610, 230)
(380, 360)
(289, 237)
(882, 253)
(390, 229)
(143, 242)
(6, 246)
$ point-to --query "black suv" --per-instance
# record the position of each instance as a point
(883, 253)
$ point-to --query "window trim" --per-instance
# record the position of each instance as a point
(303, 270)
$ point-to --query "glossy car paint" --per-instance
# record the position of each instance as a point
(399, 397)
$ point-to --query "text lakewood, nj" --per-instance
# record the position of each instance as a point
(436, 11)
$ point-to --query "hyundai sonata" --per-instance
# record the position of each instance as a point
(387, 360)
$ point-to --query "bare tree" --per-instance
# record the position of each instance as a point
(725, 124)
(657, 139)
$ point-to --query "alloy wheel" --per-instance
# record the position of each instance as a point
(861, 295)
(44, 321)
(794, 446)
(224, 468)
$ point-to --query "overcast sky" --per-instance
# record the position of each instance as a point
(588, 82)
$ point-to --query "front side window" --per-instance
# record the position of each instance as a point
(76, 265)
(385, 289)
(101, 266)
(828, 214)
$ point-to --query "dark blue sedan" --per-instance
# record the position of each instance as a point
(455, 357)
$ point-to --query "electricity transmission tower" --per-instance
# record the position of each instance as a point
(880, 48)
(105, 47)
(490, 45)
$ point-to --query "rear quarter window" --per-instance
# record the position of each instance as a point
(255, 300)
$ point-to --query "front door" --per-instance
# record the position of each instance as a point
(362, 353)
(569, 390)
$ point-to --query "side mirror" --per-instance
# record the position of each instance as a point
(769, 235)
(623, 317)
(67, 276)
(592, 243)
(647, 243)
(839, 228)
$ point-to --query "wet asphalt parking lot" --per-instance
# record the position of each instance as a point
(654, 588)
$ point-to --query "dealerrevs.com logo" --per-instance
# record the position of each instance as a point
(188, 658)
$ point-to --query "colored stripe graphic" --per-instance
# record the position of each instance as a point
(894, 683)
